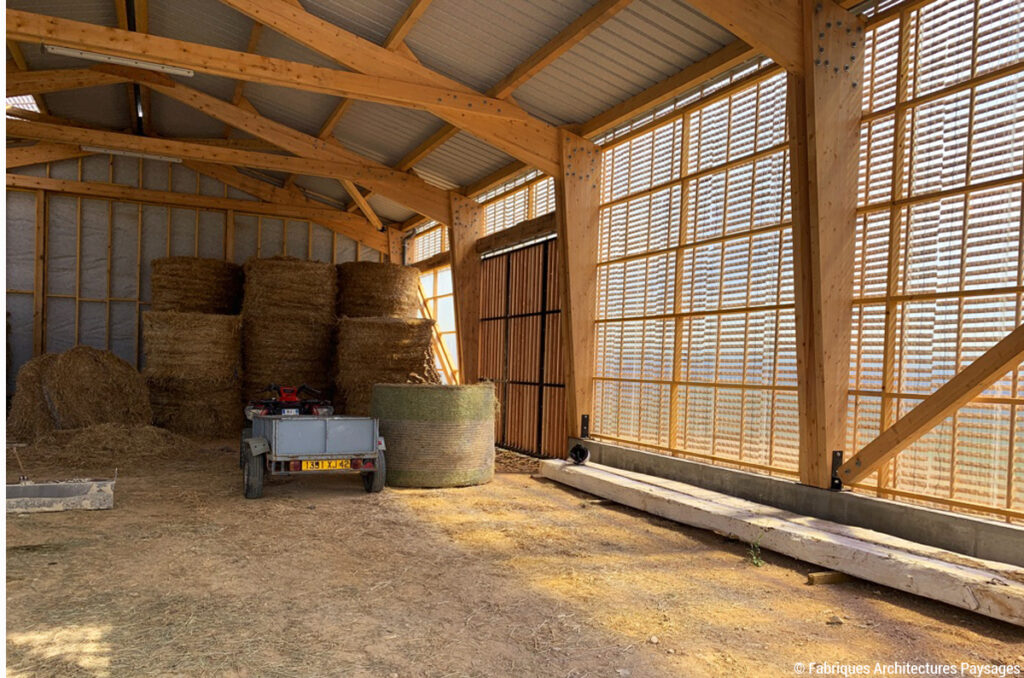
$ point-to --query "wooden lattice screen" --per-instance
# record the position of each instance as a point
(696, 345)
(940, 264)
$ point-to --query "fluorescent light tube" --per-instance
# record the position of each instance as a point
(121, 61)
(129, 154)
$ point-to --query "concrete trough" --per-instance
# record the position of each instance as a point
(87, 495)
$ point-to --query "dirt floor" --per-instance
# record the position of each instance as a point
(520, 577)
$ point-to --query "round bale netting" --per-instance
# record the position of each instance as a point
(368, 289)
(380, 351)
(194, 372)
(288, 324)
(196, 285)
(436, 436)
(85, 386)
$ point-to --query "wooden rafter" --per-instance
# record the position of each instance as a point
(19, 61)
(22, 156)
(528, 139)
(499, 122)
(220, 155)
(408, 19)
(350, 225)
(401, 187)
(773, 27)
(970, 382)
(566, 39)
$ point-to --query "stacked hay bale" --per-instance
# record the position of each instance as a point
(380, 351)
(75, 389)
(437, 436)
(381, 339)
(288, 323)
(194, 371)
(196, 285)
(371, 290)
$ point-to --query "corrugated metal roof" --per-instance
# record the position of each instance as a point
(369, 19)
(202, 21)
(643, 44)
(384, 133)
(105, 106)
(461, 160)
(478, 43)
(175, 119)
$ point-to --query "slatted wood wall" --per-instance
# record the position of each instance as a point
(521, 347)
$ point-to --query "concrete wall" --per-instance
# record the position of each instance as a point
(962, 534)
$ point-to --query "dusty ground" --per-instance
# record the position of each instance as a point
(520, 577)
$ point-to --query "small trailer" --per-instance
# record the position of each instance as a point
(306, 444)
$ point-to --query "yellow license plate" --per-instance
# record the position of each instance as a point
(326, 465)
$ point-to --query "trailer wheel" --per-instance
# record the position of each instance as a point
(374, 482)
(252, 475)
(246, 433)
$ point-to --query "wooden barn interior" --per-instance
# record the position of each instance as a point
(744, 277)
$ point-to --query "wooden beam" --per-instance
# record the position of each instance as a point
(404, 188)
(771, 26)
(385, 77)
(528, 139)
(969, 383)
(522, 232)
(44, 82)
(566, 39)
(349, 225)
(39, 283)
(713, 65)
(415, 196)
(19, 61)
(466, 226)
(824, 119)
(982, 586)
(577, 196)
(404, 24)
(21, 156)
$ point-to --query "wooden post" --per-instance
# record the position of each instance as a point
(466, 227)
(39, 286)
(824, 117)
(395, 249)
(577, 195)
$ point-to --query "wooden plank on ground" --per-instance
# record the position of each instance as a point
(992, 589)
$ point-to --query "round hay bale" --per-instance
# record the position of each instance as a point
(85, 386)
(196, 285)
(197, 407)
(30, 415)
(436, 436)
(369, 289)
(192, 345)
(380, 351)
(288, 323)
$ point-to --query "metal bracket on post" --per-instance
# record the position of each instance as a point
(585, 426)
(837, 461)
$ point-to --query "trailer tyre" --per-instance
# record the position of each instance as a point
(374, 482)
(252, 475)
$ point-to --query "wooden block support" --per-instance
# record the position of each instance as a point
(577, 193)
(465, 228)
(824, 115)
(982, 586)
